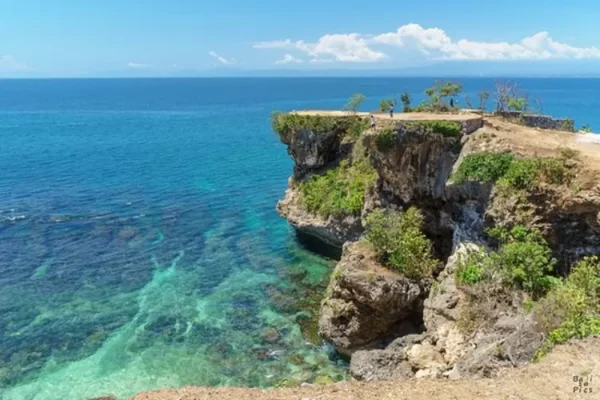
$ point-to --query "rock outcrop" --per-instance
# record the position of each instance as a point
(417, 166)
(395, 328)
(368, 305)
(333, 230)
(313, 150)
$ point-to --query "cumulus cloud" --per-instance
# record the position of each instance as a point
(289, 59)
(137, 65)
(436, 44)
(221, 59)
(350, 47)
(432, 43)
(8, 63)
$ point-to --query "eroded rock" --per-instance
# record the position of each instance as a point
(366, 303)
(334, 231)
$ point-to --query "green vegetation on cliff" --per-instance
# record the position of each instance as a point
(524, 173)
(522, 261)
(341, 191)
(484, 166)
(351, 125)
(399, 241)
(386, 138)
(287, 123)
(572, 308)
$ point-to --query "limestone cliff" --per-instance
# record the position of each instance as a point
(396, 328)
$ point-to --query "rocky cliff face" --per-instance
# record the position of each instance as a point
(332, 230)
(366, 302)
(395, 328)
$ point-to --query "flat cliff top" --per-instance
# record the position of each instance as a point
(400, 116)
(552, 378)
(536, 142)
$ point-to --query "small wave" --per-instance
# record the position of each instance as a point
(13, 218)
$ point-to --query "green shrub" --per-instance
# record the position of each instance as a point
(399, 241)
(527, 173)
(354, 102)
(571, 309)
(523, 173)
(484, 166)
(524, 259)
(287, 123)
(385, 140)
(356, 128)
(340, 191)
(473, 268)
(444, 128)
(518, 104)
(406, 100)
(568, 125)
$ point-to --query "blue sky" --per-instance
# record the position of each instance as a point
(184, 37)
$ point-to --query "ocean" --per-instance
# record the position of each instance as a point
(139, 243)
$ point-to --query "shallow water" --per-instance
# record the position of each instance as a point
(139, 245)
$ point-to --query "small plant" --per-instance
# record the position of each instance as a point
(406, 102)
(399, 241)
(385, 140)
(567, 153)
(517, 104)
(483, 98)
(585, 129)
(473, 268)
(468, 102)
(568, 125)
(484, 166)
(354, 102)
(508, 97)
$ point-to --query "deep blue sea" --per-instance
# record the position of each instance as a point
(139, 244)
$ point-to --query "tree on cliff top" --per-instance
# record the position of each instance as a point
(354, 102)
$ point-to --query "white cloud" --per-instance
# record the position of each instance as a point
(221, 59)
(434, 43)
(8, 63)
(350, 47)
(289, 59)
(275, 44)
(137, 65)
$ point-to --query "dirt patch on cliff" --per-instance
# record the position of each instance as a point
(553, 378)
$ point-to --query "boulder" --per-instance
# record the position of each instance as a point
(377, 365)
(367, 305)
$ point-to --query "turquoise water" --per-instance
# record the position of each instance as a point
(139, 245)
